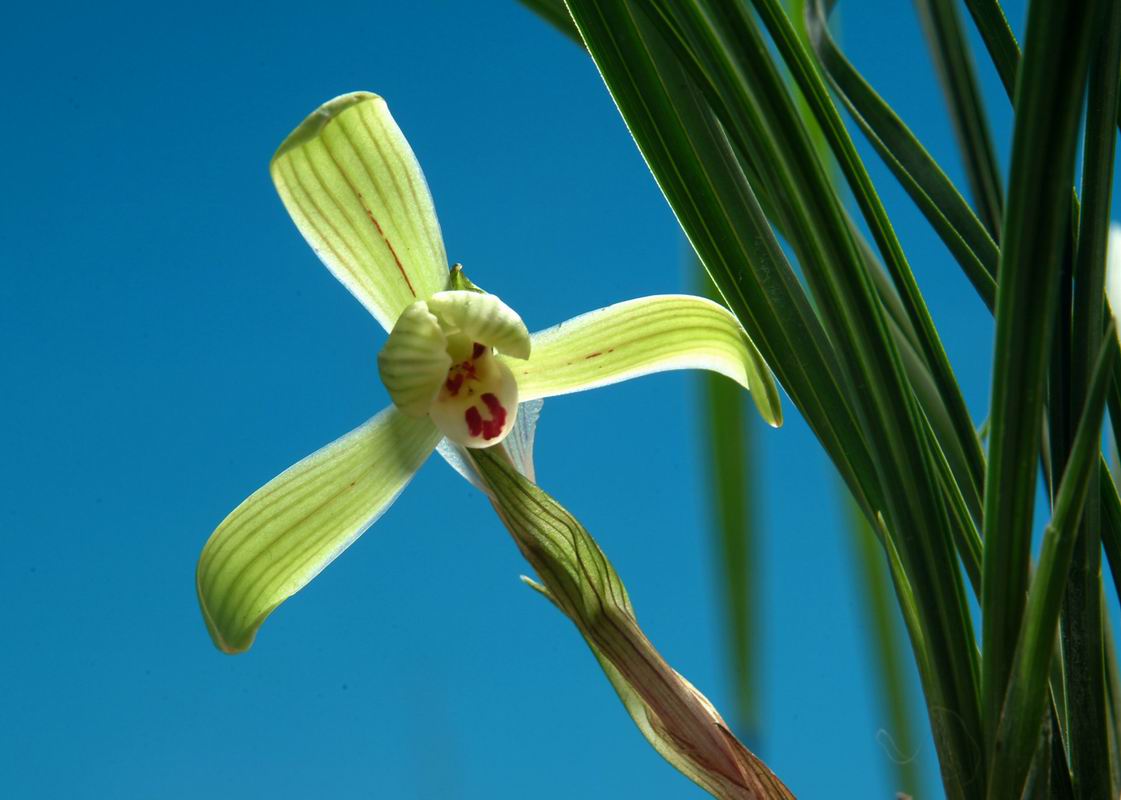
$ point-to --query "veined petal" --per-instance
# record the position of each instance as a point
(639, 337)
(356, 192)
(1113, 270)
(294, 526)
(483, 318)
(414, 362)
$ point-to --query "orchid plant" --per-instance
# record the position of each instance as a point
(458, 365)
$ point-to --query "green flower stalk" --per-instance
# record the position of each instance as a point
(458, 364)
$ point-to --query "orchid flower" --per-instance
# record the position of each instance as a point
(458, 363)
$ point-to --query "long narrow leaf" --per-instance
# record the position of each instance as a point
(724, 50)
(1035, 227)
(792, 48)
(999, 40)
(940, 202)
(955, 69)
(890, 677)
(1082, 624)
(691, 160)
(1022, 709)
(556, 14)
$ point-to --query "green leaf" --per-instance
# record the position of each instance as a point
(791, 46)
(556, 14)
(1022, 709)
(728, 56)
(690, 157)
(935, 195)
(999, 40)
(726, 443)
(280, 538)
(1088, 733)
(643, 336)
(888, 651)
(356, 192)
(679, 721)
(967, 113)
(1036, 225)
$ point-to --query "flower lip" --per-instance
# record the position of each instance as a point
(477, 405)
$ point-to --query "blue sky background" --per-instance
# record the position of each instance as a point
(169, 343)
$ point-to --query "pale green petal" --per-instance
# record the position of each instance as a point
(414, 362)
(356, 192)
(1113, 271)
(639, 337)
(484, 318)
(294, 526)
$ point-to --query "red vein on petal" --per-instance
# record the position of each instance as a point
(369, 214)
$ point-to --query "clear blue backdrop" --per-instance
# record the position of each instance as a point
(168, 343)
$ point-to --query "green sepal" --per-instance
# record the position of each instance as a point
(644, 336)
(286, 532)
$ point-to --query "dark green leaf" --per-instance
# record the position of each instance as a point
(941, 203)
(1022, 709)
(1082, 624)
(999, 40)
(726, 54)
(1036, 224)
(555, 13)
(955, 69)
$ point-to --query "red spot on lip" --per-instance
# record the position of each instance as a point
(487, 428)
(474, 421)
(453, 383)
(493, 426)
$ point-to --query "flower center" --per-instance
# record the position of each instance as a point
(478, 402)
(440, 361)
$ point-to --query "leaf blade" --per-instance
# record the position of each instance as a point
(1035, 230)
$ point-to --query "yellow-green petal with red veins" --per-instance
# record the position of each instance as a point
(640, 337)
(414, 362)
(280, 538)
(354, 189)
(482, 318)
